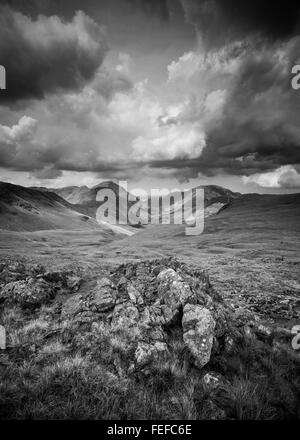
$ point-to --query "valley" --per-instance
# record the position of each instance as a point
(65, 310)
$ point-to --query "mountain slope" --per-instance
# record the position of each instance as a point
(177, 202)
(28, 209)
(83, 195)
(84, 199)
(251, 224)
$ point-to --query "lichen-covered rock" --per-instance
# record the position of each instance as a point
(125, 315)
(104, 295)
(134, 295)
(146, 353)
(30, 294)
(72, 306)
(198, 332)
(172, 289)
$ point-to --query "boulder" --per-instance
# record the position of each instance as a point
(198, 332)
(150, 305)
(72, 306)
(173, 292)
(31, 293)
(104, 295)
(134, 295)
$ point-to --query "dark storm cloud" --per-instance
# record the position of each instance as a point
(262, 109)
(224, 20)
(46, 54)
(249, 48)
(30, 7)
(258, 129)
(159, 8)
(67, 8)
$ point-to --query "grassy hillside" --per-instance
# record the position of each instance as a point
(27, 209)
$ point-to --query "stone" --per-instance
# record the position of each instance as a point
(212, 380)
(148, 312)
(263, 332)
(173, 292)
(2, 338)
(134, 295)
(28, 294)
(168, 275)
(146, 353)
(53, 277)
(72, 306)
(228, 344)
(125, 315)
(16, 267)
(122, 283)
(105, 282)
(198, 332)
(103, 296)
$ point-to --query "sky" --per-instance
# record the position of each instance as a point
(161, 93)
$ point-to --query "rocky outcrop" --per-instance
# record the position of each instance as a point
(155, 329)
(32, 286)
(148, 304)
(155, 302)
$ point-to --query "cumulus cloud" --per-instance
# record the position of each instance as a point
(108, 82)
(283, 177)
(236, 89)
(170, 142)
(224, 61)
(46, 54)
(241, 95)
(22, 131)
(227, 105)
(15, 141)
(92, 132)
